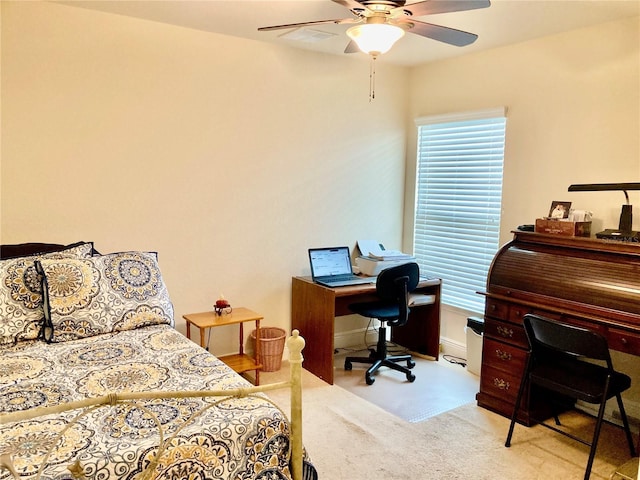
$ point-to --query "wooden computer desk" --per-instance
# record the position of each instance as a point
(315, 307)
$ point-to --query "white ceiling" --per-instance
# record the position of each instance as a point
(504, 22)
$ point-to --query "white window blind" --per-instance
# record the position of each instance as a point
(458, 201)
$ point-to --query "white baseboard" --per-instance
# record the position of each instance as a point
(351, 338)
(633, 413)
(612, 413)
(355, 338)
(453, 348)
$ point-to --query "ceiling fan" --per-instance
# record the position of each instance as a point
(373, 20)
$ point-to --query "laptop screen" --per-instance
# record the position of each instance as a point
(330, 261)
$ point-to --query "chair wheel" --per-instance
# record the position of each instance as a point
(369, 379)
(347, 365)
(411, 364)
(411, 377)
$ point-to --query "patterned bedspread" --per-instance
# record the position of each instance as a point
(241, 438)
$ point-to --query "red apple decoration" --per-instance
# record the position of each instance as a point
(222, 306)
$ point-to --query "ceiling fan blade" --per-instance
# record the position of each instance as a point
(439, 33)
(352, 47)
(431, 7)
(306, 24)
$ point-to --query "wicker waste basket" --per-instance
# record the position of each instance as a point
(271, 347)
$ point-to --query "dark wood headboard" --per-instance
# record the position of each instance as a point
(23, 249)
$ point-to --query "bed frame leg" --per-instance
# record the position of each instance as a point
(7, 462)
(295, 344)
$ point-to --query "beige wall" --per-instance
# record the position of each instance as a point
(229, 157)
(573, 116)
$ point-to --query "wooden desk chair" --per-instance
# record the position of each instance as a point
(393, 286)
(556, 362)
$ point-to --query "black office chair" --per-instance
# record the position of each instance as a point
(393, 286)
(556, 362)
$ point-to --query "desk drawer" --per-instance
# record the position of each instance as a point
(580, 322)
(516, 312)
(496, 309)
(507, 332)
(504, 357)
(500, 384)
(511, 312)
(624, 341)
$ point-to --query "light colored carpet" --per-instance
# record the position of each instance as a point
(350, 438)
(439, 386)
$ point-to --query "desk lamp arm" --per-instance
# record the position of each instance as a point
(626, 214)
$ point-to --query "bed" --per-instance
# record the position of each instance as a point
(95, 383)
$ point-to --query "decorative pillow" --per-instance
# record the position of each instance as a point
(109, 293)
(21, 312)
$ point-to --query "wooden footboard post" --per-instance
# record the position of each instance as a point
(295, 344)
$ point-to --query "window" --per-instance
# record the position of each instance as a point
(458, 201)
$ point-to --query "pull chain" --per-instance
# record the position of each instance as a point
(372, 78)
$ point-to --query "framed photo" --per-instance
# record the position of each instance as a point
(559, 210)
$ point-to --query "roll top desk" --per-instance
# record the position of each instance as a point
(583, 281)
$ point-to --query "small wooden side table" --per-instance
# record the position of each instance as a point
(239, 362)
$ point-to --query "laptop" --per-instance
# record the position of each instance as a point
(331, 267)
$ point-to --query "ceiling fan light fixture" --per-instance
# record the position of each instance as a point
(375, 39)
